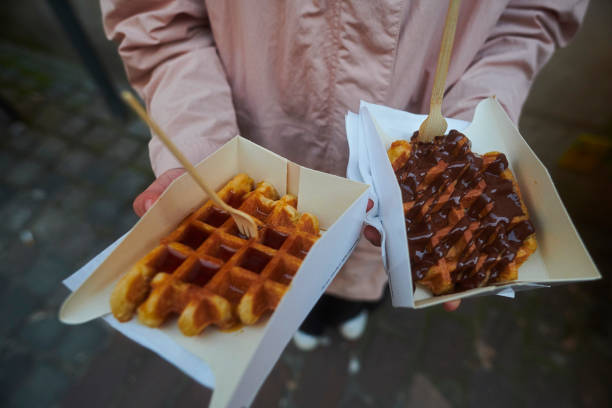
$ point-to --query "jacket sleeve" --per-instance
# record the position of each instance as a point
(523, 40)
(170, 59)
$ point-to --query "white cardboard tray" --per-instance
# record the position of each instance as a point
(239, 361)
(561, 256)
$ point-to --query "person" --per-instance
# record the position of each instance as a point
(284, 73)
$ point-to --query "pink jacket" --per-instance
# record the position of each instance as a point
(284, 73)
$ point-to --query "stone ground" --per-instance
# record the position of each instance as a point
(68, 173)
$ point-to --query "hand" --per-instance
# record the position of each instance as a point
(369, 231)
(147, 198)
(373, 236)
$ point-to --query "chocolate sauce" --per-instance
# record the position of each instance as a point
(255, 260)
(300, 248)
(193, 237)
(261, 213)
(274, 239)
(452, 193)
(234, 293)
(216, 217)
(282, 274)
(169, 261)
(225, 252)
(202, 272)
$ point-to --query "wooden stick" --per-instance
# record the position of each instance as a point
(131, 100)
(446, 49)
(435, 124)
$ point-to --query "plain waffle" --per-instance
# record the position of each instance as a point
(206, 272)
(465, 218)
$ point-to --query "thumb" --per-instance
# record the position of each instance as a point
(452, 305)
(147, 198)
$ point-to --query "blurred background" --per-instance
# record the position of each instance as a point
(72, 160)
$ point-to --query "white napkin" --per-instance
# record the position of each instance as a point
(359, 169)
(143, 335)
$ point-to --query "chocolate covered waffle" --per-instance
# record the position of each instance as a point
(206, 272)
(466, 223)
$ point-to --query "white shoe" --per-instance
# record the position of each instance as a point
(353, 329)
(305, 341)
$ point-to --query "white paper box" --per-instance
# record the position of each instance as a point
(240, 360)
(561, 255)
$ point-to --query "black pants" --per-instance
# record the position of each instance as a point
(331, 311)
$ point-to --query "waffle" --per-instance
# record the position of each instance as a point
(207, 273)
(466, 222)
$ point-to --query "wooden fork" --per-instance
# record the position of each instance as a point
(435, 124)
(245, 223)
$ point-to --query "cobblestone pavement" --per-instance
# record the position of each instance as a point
(68, 173)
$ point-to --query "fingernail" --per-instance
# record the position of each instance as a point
(148, 204)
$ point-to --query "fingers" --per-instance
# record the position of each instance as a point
(372, 235)
(147, 198)
(452, 305)
(369, 232)
(370, 205)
